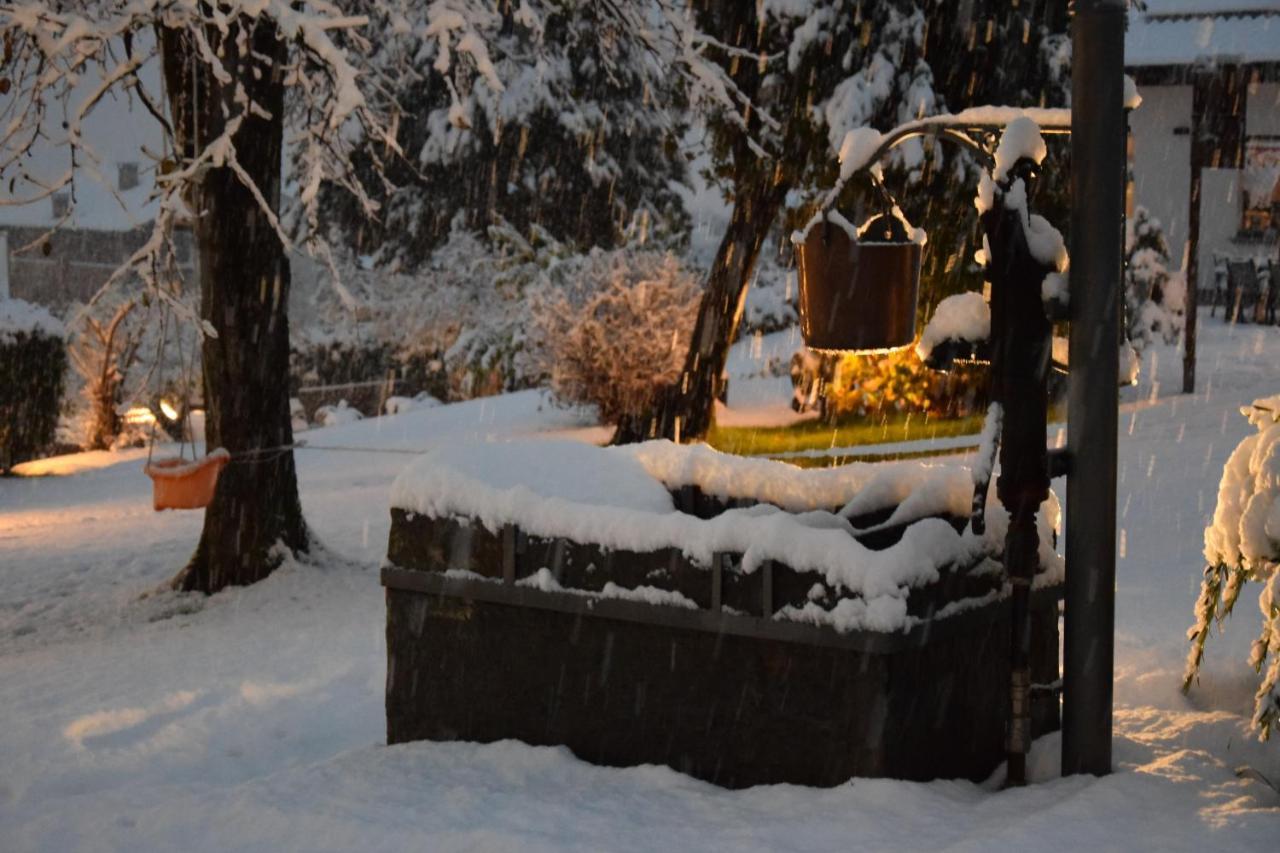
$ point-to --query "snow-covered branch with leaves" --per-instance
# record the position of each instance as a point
(63, 59)
(1243, 544)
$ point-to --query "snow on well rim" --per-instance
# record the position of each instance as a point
(617, 497)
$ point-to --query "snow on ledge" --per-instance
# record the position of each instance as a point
(18, 316)
(619, 498)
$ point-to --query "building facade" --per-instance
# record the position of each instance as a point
(1208, 72)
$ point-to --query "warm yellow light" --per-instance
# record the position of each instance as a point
(139, 415)
(169, 411)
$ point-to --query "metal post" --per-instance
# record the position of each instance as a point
(1097, 208)
(1020, 354)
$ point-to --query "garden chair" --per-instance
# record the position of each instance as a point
(1242, 290)
(1272, 275)
(1220, 293)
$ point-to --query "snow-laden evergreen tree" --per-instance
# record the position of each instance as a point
(801, 76)
(1243, 544)
(1154, 296)
(580, 143)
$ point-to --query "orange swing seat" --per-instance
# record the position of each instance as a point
(179, 484)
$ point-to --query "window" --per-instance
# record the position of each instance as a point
(61, 205)
(1260, 182)
(128, 176)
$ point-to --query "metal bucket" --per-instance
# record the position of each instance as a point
(854, 295)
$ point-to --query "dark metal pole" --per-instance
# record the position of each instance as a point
(1021, 335)
(1192, 266)
(1097, 210)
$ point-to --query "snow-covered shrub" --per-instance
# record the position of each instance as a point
(454, 328)
(1243, 544)
(578, 140)
(1155, 296)
(618, 335)
(32, 363)
(103, 351)
(337, 414)
(399, 405)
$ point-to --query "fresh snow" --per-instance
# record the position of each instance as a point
(618, 497)
(1198, 32)
(1021, 138)
(253, 720)
(19, 317)
(961, 317)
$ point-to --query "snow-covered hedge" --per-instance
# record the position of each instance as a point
(1243, 544)
(33, 362)
(620, 498)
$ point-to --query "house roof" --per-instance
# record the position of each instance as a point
(1189, 32)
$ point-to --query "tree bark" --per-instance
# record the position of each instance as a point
(255, 517)
(685, 412)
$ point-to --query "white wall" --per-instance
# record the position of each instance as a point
(1162, 171)
(1162, 160)
(1264, 110)
(1220, 212)
(117, 130)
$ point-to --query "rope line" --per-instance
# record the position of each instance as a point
(256, 455)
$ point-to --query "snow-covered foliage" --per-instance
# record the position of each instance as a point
(772, 300)
(618, 334)
(618, 497)
(570, 128)
(1154, 295)
(455, 327)
(338, 414)
(50, 46)
(1243, 544)
(19, 317)
(103, 352)
(32, 363)
(396, 405)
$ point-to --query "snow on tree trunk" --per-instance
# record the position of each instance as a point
(244, 281)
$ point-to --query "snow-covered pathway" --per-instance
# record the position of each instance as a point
(252, 720)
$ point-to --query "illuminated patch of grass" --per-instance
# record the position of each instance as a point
(817, 435)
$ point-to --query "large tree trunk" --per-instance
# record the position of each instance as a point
(255, 516)
(685, 412)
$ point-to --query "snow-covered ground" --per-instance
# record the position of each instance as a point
(252, 720)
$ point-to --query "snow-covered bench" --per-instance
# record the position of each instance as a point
(740, 619)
